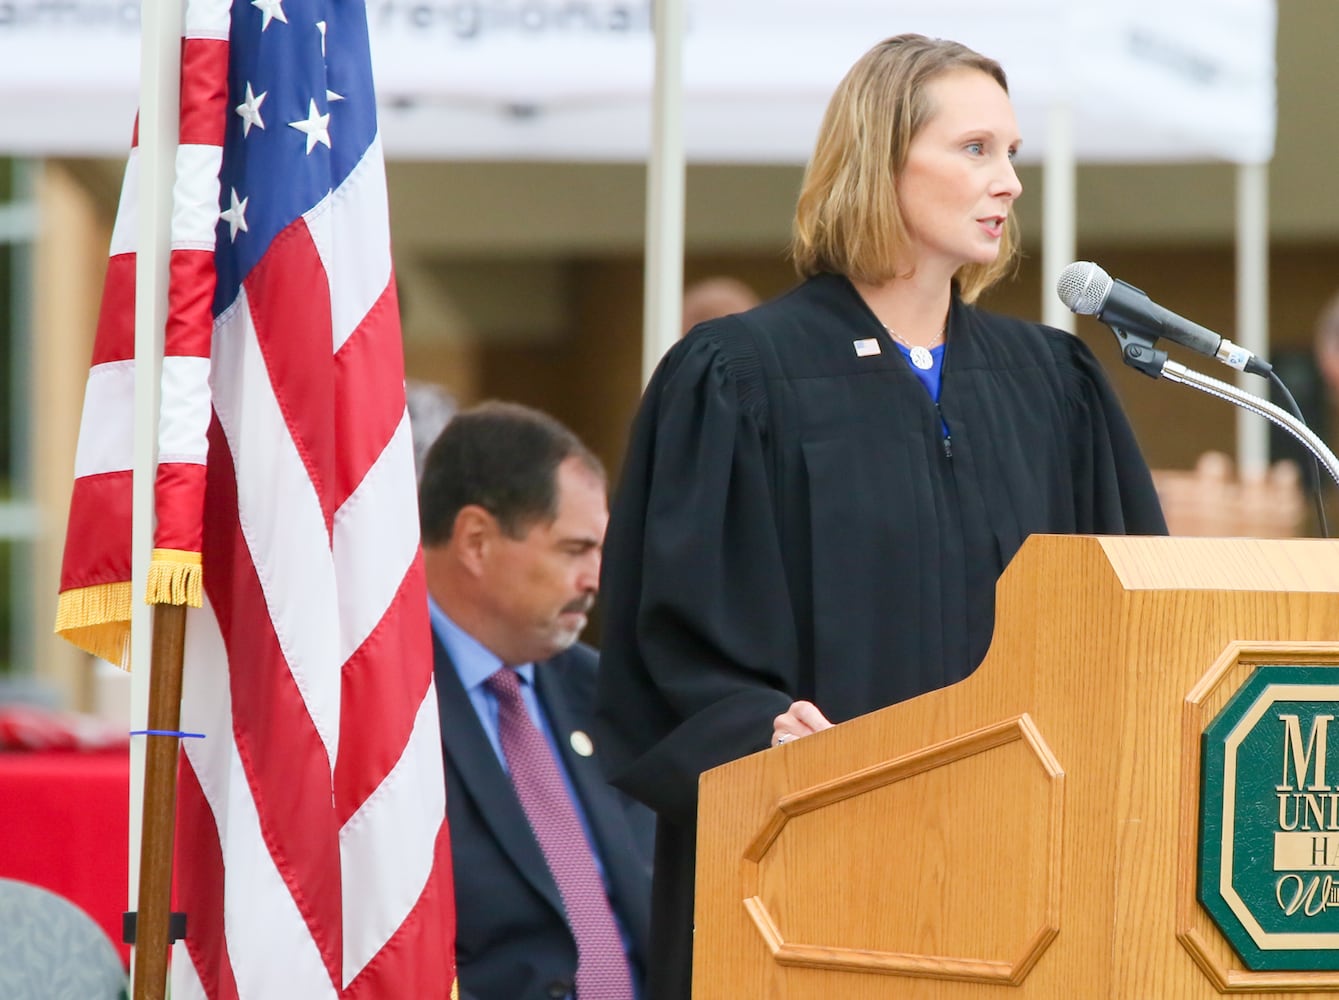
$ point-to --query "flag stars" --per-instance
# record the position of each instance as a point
(270, 10)
(235, 216)
(331, 97)
(316, 126)
(249, 110)
(320, 26)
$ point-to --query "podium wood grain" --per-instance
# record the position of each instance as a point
(1032, 831)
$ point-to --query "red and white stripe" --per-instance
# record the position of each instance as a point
(97, 554)
(183, 422)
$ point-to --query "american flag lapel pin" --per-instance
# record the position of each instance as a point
(866, 348)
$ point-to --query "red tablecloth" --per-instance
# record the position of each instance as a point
(64, 824)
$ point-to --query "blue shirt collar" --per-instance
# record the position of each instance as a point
(473, 662)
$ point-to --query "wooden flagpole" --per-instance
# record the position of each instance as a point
(153, 919)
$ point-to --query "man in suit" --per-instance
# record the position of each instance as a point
(551, 901)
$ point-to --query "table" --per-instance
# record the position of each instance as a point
(64, 825)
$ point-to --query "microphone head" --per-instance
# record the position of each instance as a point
(1084, 287)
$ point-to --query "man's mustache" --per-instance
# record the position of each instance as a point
(581, 605)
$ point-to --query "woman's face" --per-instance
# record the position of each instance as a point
(958, 185)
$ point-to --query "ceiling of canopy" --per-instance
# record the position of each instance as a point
(1143, 80)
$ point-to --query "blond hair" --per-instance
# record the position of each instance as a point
(847, 218)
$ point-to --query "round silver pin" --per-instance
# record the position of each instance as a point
(581, 743)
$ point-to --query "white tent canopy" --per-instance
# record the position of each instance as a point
(1149, 80)
(1176, 80)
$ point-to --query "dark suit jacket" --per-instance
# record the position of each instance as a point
(512, 938)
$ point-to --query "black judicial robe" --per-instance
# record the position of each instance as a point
(794, 522)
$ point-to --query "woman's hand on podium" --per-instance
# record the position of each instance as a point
(801, 719)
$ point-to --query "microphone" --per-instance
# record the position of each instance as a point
(1089, 291)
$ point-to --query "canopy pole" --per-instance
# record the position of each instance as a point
(1252, 267)
(1059, 209)
(662, 314)
(159, 121)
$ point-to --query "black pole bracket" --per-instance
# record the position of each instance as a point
(176, 927)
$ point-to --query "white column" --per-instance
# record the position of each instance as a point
(1059, 210)
(662, 312)
(1252, 306)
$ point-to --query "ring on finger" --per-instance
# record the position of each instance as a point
(781, 738)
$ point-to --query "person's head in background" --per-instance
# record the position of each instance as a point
(713, 297)
(1326, 346)
(512, 512)
(855, 215)
(430, 409)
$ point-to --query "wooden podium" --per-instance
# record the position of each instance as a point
(1031, 832)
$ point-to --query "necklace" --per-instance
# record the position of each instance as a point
(920, 356)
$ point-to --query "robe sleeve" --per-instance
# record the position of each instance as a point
(1113, 488)
(698, 641)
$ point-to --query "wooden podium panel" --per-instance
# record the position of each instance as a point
(1031, 832)
(939, 865)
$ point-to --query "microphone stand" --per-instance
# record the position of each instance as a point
(1138, 352)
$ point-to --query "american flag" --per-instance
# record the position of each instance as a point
(312, 857)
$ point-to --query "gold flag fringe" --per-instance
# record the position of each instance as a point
(175, 577)
(97, 620)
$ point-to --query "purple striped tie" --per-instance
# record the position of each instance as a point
(602, 968)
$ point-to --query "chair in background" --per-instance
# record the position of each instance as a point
(1214, 500)
(50, 949)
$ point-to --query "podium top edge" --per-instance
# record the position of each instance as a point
(1183, 563)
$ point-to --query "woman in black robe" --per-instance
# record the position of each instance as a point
(820, 493)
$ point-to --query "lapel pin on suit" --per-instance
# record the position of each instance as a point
(581, 743)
